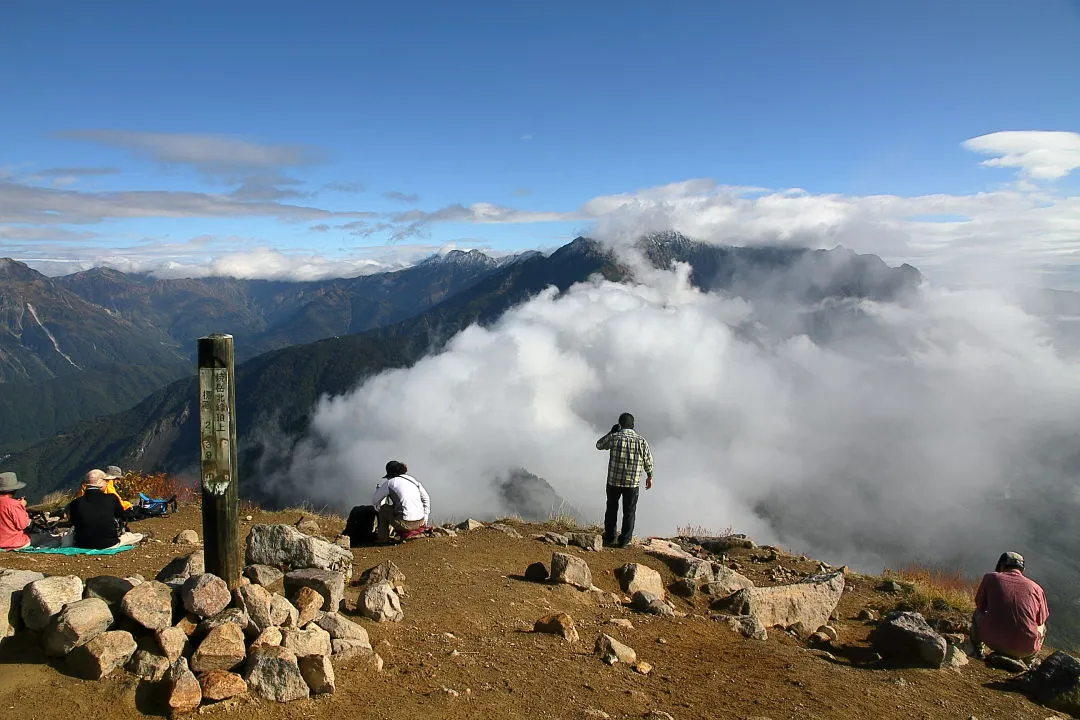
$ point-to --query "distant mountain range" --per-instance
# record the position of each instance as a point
(90, 344)
(280, 387)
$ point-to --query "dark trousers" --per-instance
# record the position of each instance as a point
(629, 496)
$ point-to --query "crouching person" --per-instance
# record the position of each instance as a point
(1010, 614)
(97, 516)
(403, 503)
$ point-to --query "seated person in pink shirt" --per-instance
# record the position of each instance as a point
(1010, 611)
(14, 521)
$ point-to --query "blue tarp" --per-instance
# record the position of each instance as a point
(75, 550)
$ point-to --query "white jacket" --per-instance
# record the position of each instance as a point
(407, 494)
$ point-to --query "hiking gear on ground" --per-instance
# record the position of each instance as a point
(360, 527)
(150, 508)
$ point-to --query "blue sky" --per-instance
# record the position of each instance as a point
(199, 121)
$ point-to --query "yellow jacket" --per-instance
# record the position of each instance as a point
(110, 487)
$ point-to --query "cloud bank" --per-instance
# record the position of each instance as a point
(1029, 227)
(936, 428)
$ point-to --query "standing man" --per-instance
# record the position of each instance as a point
(628, 455)
(407, 505)
(1010, 614)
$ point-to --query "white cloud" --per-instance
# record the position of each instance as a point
(211, 154)
(206, 256)
(1030, 229)
(875, 443)
(1039, 154)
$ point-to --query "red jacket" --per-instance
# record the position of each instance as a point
(1013, 608)
(13, 523)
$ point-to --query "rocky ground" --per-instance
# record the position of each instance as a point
(466, 647)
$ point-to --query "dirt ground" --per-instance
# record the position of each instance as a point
(465, 649)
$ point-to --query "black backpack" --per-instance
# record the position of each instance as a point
(362, 525)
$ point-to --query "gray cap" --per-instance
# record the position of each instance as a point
(1011, 560)
(112, 472)
(9, 482)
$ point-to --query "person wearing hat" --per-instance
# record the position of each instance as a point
(403, 503)
(1010, 612)
(96, 516)
(112, 474)
(14, 520)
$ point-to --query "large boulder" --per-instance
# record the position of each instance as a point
(255, 600)
(222, 649)
(342, 628)
(269, 577)
(312, 640)
(570, 569)
(586, 541)
(692, 568)
(180, 569)
(220, 685)
(147, 665)
(286, 547)
(308, 604)
(745, 625)
(183, 693)
(12, 583)
(150, 604)
(318, 673)
(328, 583)
(559, 624)
(807, 604)
(273, 673)
(77, 624)
(173, 642)
(645, 601)
(906, 638)
(380, 602)
(41, 599)
(386, 571)
(1056, 683)
(205, 595)
(236, 616)
(725, 582)
(612, 651)
(282, 612)
(633, 577)
(270, 636)
(110, 589)
(105, 653)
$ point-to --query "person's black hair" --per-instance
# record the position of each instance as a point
(626, 420)
(395, 468)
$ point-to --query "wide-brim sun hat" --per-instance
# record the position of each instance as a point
(9, 482)
(112, 472)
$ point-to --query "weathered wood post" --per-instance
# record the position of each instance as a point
(217, 453)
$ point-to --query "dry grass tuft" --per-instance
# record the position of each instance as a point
(55, 501)
(306, 509)
(700, 531)
(929, 588)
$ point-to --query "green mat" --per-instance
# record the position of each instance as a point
(75, 550)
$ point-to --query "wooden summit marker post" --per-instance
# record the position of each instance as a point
(217, 454)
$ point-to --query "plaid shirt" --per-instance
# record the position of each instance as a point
(628, 454)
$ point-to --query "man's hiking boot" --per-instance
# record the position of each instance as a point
(1004, 662)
